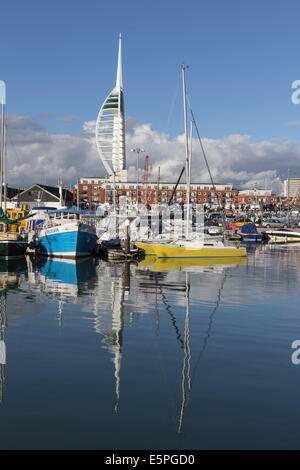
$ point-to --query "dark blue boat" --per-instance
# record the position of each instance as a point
(250, 234)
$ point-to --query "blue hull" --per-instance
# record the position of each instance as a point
(252, 237)
(68, 244)
(71, 272)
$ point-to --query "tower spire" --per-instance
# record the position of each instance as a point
(119, 81)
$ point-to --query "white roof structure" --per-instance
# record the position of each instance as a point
(110, 128)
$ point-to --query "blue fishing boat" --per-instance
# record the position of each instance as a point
(64, 235)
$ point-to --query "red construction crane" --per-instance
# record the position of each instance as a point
(158, 183)
(146, 169)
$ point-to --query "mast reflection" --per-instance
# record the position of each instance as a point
(10, 271)
(162, 271)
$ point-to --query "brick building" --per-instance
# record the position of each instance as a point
(93, 191)
(255, 197)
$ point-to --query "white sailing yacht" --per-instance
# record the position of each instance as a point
(190, 245)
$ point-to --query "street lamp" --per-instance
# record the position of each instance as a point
(279, 193)
(137, 151)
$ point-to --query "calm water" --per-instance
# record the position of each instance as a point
(101, 356)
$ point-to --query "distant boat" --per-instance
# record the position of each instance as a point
(63, 235)
(12, 244)
(282, 236)
(249, 233)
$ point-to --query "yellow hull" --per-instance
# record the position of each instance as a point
(187, 264)
(284, 240)
(171, 251)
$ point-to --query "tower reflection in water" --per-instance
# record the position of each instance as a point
(70, 281)
(106, 292)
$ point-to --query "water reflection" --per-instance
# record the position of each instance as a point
(137, 328)
(70, 281)
(63, 277)
(157, 269)
(190, 264)
(120, 276)
(10, 271)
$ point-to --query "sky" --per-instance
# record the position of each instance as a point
(59, 60)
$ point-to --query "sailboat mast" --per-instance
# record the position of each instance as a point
(2, 145)
(4, 161)
(187, 157)
(191, 143)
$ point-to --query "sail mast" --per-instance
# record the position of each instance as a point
(2, 145)
(4, 161)
(187, 157)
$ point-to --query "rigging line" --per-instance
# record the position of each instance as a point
(185, 372)
(205, 159)
(173, 103)
(210, 323)
(171, 401)
(168, 309)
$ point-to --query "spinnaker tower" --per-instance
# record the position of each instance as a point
(110, 129)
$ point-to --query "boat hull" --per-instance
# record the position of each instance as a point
(171, 251)
(282, 236)
(252, 237)
(12, 249)
(67, 241)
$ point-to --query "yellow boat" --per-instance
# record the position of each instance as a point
(193, 245)
(190, 249)
(15, 214)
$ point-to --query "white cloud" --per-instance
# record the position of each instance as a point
(68, 119)
(35, 155)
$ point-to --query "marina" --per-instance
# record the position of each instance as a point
(149, 230)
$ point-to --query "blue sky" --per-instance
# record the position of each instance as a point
(59, 59)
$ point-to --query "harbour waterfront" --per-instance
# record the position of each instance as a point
(195, 355)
